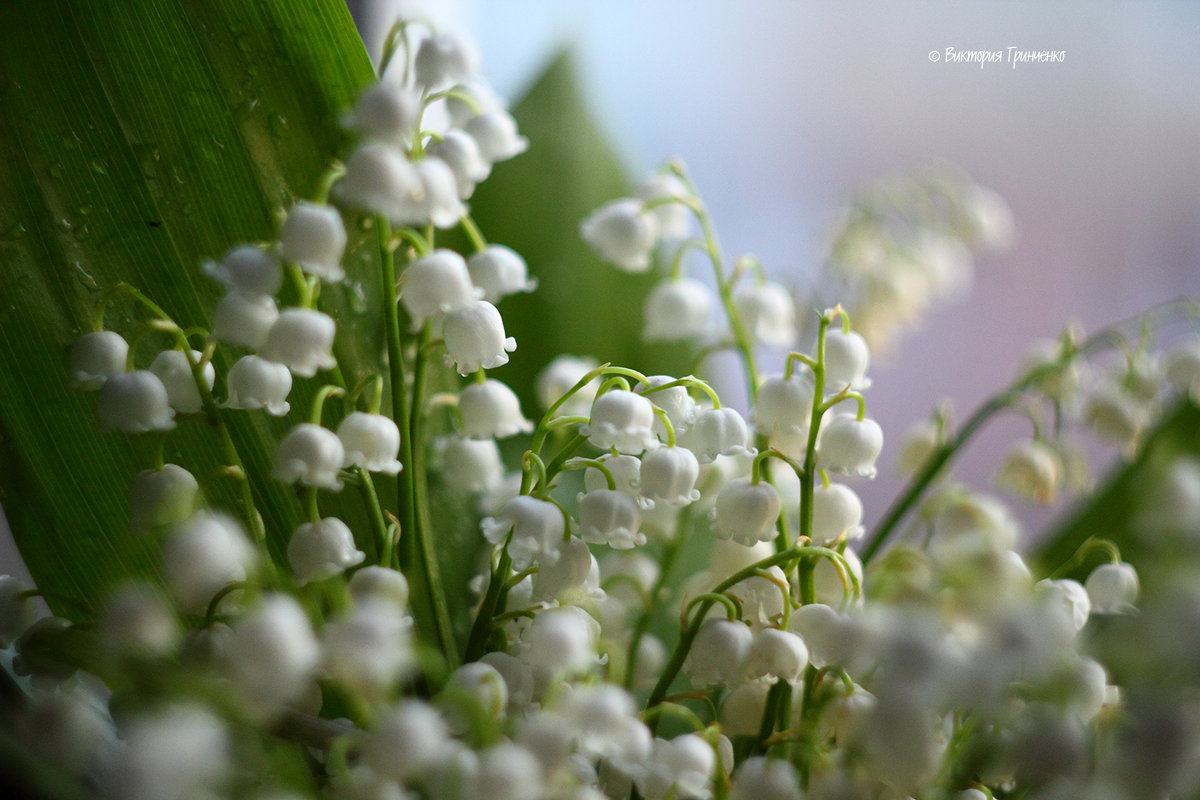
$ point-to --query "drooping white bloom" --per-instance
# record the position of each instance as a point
(250, 270)
(1058, 377)
(1112, 588)
(499, 271)
(767, 311)
(508, 771)
(483, 682)
(559, 376)
(322, 549)
(496, 134)
(310, 455)
(475, 339)
(242, 320)
(610, 517)
(837, 511)
(681, 767)
(679, 405)
(672, 218)
(136, 622)
(604, 719)
(621, 419)
(173, 369)
(491, 410)
(301, 339)
(380, 180)
(573, 576)
(375, 584)
(437, 203)
(407, 742)
(917, 443)
(783, 406)
(386, 113)
(625, 470)
(443, 58)
(173, 753)
(622, 233)
(668, 475)
(1068, 598)
(718, 653)
(1032, 469)
(460, 152)
(471, 465)
(777, 654)
(161, 497)
(746, 512)
(272, 654)
(134, 402)
(435, 284)
(846, 360)
(1113, 413)
(717, 431)
(560, 642)
(761, 778)
(680, 309)
(203, 555)
(371, 441)
(850, 445)
(368, 649)
(537, 528)
(314, 237)
(254, 382)
(472, 96)
(96, 357)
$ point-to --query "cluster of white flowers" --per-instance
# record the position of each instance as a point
(944, 668)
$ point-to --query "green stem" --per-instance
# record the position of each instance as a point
(482, 628)
(374, 511)
(669, 555)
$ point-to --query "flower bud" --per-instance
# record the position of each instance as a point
(846, 360)
(173, 369)
(1030, 469)
(559, 376)
(718, 653)
(777, 654)
(310, 455)
(625, 470)
(368, 649)
(537, 528)
(314, 237)
(491, 410)
(1114, 414)
(680, 309)
(621, 233)
(560, 642)
(917, 443)
(742, 709)
(435, 284)
(96, 357)
(443, 58)
(134, 402)
(203, 555)
(471, 465)
(573, 574)
(681, 767)
(137, 623)
(322, 549)
(668, 475)
(241, 320)
(161, 497)
(272, 654)
(379, 180)
(1068, 598)
(767, 312)
(254, 382)
(783, 405)
(675, 401)
(301, 339)
(437, 201)
(746, 512)
(717, 431)
(374, 584)
(475, 339)
(460, 152)
(496, 134)
(671, 218)
(837, 511)
(1112, 588)
(850, 446)
(386, 113)
(371, 441)
(485, 684)
(499, 271)
(250, 270)
(610, 517)
(761, 778)
(621, 419)
(407, 742)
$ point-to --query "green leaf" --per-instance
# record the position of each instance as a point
(137, 140)
(1112, 511)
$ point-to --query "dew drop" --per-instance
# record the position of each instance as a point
(85, 277)
(277, 125)
(14, 232)
(99, 166)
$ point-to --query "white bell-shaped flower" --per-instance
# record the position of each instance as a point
(829, 638)
(1067, 598)
(380, 180)
(434, 284)
(917, 443)
(460, 152)
(850, 445)
(161, 497)
(718, 653)
(767, 311)
(485, 684)
(301, 339)
(371, 441)
(679, 405)
(310, 455)
(611, 517)
(375, 584)
(251, 270)
(254, 382)
(559, 376)
(570, 577)
(137, 622)
(499, 271)
(1113, 413)
(386, 113)
(96, 357)
(761, 778)
(621, 233)
(474, 337)
(407, 742)
(242, 320)
(442, 59)
(680, 309)
(203, 555)
(171, 753)
(314, 237)
(471, 465)
(837, 512)
(437, 203)
(322, 549)
(472, 96)
(668, 475)
(776, 654)
(496, 134)
(368, 649)
(1112, 588)
(621, 419)
(491, 410)
(537, 528)
(625, 470)
(272, 654)
(717, 431)
(783, 406)
(173, 369)
(560, 642)
(1031, 469)
(134, 402)
(672, 218)
(746, 512)
(681, 767)
(847, 357)
(742, 709)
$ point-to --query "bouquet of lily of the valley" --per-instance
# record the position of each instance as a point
(351, 558)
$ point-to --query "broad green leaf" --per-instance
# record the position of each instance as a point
(1111, 513)
(138, 139)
